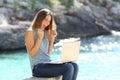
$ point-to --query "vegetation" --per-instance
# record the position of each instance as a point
(15, 5)
(67, 3)
(117, 0)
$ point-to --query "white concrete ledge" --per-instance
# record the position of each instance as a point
(36, 78)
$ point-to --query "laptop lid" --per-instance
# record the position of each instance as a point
(70, 51)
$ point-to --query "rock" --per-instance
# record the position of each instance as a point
(35, 78)
(1, 2)
(12, 37)
(77, 25)
(23, 4)
(9, 1)
(70, 23)
(3, 20)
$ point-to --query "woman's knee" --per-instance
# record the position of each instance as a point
(69, 67)
(75, 65)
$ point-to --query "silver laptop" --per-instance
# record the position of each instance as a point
(70, 52)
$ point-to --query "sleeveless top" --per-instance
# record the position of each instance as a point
(42, 54)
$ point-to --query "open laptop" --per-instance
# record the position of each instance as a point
(70, 52)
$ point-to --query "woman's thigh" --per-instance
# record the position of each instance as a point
(50, 70)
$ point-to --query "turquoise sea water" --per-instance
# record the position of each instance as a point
(99, 59)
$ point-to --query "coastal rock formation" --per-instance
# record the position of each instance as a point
(88, 20)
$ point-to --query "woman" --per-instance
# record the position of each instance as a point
(39, 41)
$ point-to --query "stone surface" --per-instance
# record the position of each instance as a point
(35, 78)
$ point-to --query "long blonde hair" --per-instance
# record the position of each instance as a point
(36, 23)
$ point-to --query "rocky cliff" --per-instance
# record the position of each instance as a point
(81, 18)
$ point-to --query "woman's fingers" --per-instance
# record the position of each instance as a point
(54, 33)
(40, 33)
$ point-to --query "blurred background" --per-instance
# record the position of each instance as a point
(95, 22)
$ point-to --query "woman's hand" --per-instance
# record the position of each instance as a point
(40, 33)
(54, 32)
(51, 35)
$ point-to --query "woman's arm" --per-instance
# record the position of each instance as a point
(52, 34)
(50, 47)
(31, 45)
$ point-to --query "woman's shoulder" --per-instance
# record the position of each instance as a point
(29, 31)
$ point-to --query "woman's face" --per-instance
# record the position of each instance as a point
(46, 22)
